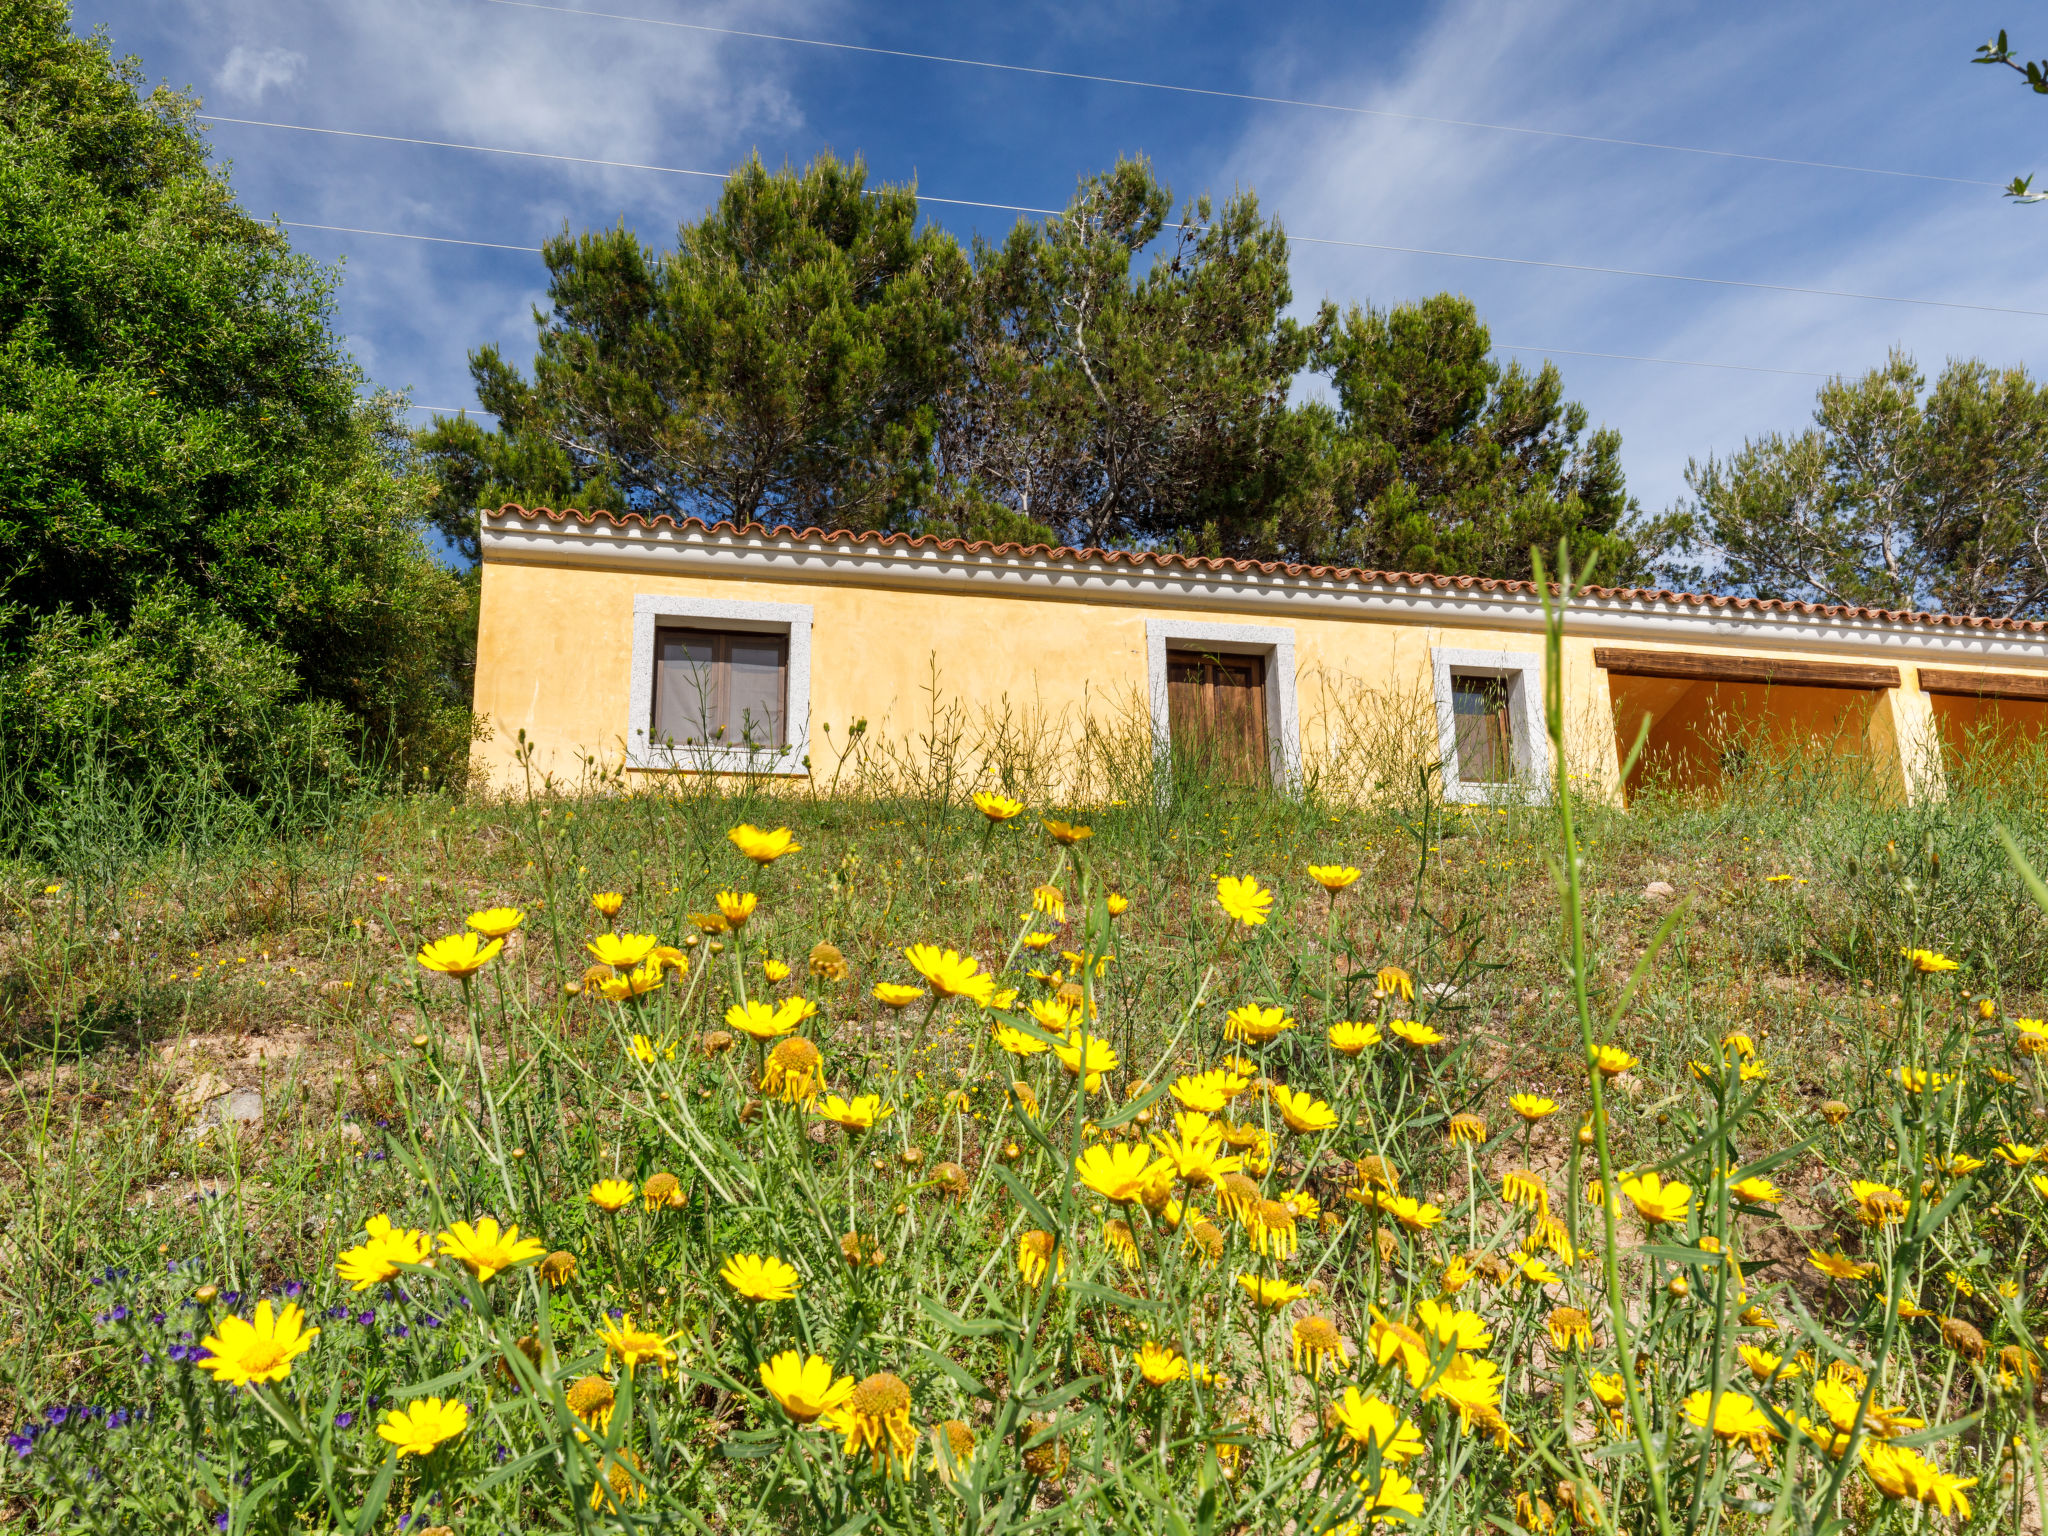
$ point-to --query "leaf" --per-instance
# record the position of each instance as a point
(958, 1372)
(1707, 1138)
(1934, 1434)
(1675, 1253)
(1067, 1393)
(1114, 1298)
(1657, 940)
(1765, 1164)
(1813, 1331)
(1930, 1220)
(756, 1445)
(373, 1502)
(1025, 1025)
(1136, 1106)
(1028, 1200)
(512, 1469)
(2027, 876)
(979, 1328)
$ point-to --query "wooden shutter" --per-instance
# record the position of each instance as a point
(1216, 714)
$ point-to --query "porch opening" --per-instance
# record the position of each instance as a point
(1715, 719)
(1985, 720)
(1703, 735)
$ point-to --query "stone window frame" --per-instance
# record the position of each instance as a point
(1274, 643)
(651, 612)
(1522, 671)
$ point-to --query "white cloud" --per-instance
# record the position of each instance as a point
(469, 72)
(247, 73)
(1688, 76)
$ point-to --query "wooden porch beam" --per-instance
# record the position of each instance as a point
(1982, 685)
(1707, 668)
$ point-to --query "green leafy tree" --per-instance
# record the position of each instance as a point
(1117, 401)
(2035, 73)
(1896, 497)
(1107, 376)
(475, 466)
(782, 362)
(181, 432)
(1441, 459)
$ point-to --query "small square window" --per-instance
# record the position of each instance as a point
(1486, 733)
(721, 688)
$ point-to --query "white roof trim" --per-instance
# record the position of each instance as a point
(850, 559)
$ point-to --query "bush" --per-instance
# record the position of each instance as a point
(195, 499)
(175, 685)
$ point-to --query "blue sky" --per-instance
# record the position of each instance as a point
(1883, 86)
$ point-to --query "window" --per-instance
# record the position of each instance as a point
(1486, 742)
(720, 689)
(1490, 738)
(718, 686)
(1217, 715)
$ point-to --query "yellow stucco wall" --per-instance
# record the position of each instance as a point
(555, 647)
(555, 642)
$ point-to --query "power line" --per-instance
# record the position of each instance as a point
(1626, 357)
(392, 234)
(1670, 277)
(1675, 362)
(1246, 96)
(1356, 245)
(537, 154)
(482, 149)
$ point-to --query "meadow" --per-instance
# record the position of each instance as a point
(922, 1153)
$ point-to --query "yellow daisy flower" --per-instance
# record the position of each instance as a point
(240, 1353)
(460, 954)
(423, 1424)
(760, 1279)
(485, 1250)
(764, 847)
(1244, 900)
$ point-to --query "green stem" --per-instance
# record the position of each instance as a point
(1575, 919)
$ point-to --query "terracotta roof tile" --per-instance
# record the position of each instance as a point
(1221, 564)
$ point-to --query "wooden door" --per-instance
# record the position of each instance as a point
(1216, 714)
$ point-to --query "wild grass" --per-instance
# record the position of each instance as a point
(149, 959)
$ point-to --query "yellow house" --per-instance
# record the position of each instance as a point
(652, 646)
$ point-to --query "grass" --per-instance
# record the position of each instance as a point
(144, 972)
